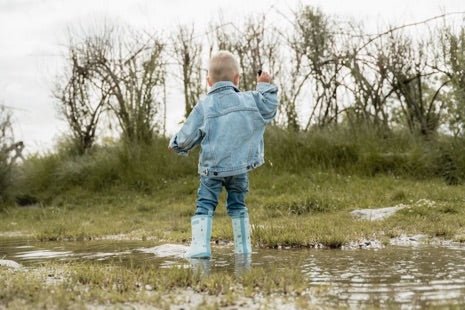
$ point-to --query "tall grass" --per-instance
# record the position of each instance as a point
(139, 167)
(365, 151)
(148, 168)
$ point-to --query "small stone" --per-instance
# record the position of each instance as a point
(148, 287)
(377, 214)
(9, 264)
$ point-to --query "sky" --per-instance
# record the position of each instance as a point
(33, 36)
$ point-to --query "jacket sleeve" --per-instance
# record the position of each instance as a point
(266, 98)
(190, 134)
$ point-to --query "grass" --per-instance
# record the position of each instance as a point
(78, 285)
(286, 209)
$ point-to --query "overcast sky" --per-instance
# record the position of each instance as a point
(33, 34)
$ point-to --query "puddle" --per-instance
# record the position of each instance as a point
(39, 254)
(422, 276)
(411, 277)
(167, 250)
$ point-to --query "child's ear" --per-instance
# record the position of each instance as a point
(237, 79)
(209, 81)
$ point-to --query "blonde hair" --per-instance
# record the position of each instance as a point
(223, 66)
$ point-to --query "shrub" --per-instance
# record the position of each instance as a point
(149, 167)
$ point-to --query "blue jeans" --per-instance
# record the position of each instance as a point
(210, 188)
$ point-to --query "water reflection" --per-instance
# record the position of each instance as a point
(201, 265)
(242, 264)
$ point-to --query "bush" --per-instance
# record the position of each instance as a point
(366, 151)
(149, 168)
(293, 151)
(142, 168)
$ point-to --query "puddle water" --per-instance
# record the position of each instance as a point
(394, 276)
(422, 275)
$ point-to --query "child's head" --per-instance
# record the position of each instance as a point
(223, 67)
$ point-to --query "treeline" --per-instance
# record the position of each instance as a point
(358, 103)
(333, 71)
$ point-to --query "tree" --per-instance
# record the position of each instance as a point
(254, 47)
(416, 86)
(188, 52)
(132, 65)
(10, 150)
(452, 65)
(82, 98)
(292, 78)
(369, 83)
(291, 82)
(316, 38)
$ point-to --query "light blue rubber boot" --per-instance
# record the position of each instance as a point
(241, 233)
(201, 234)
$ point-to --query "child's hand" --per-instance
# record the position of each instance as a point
(264, 77)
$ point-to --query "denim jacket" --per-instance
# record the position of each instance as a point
(229, 126)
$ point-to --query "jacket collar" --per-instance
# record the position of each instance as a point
(222, 85)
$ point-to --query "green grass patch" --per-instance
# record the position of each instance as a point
(299, 210)
(79, 285)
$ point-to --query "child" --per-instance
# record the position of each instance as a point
(229, 126)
